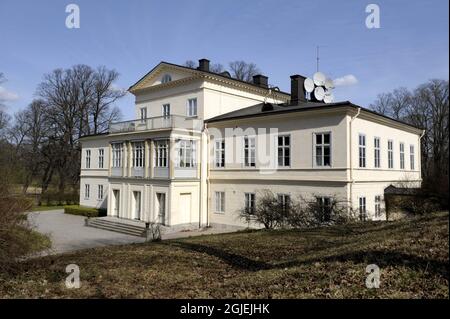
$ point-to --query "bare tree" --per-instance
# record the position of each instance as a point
(426, 107)
(190, 64)
(243, 71)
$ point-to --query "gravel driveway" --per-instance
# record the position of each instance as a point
(68, 233)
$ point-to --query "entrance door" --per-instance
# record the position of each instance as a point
(137, 205)
(116, 202)
(185, 207)
(161, 207)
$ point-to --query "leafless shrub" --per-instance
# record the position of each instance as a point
(272, 213)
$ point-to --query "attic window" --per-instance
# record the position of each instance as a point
(166, 78)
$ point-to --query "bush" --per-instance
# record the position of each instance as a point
(17, 239)
(55, 198)
(302, 213)
(84, 211)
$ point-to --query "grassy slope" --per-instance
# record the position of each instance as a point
(316, 263)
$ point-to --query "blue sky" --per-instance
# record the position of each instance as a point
(132, 36)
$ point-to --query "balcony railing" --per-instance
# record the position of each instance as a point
(156, 123)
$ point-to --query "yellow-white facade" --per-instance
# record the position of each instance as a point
(139, 186)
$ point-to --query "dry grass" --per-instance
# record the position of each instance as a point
(317, 263)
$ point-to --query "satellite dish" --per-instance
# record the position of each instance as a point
(319, 79)
(329, 84)
(309, 85)
(329, 97)
(319, 93)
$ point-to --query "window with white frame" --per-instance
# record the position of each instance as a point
(411, 157)
(166, 78)
(285, 201)
(362, 150)
(378, 206)
(88, 158)
(322, 149)
(101, 157)
(138, 154)
(377, 152)
(250, 203)
(100, 192)
(324, 206)
(219, 198)
(87, 190)
(185, 153)
(219, 152)
(362, 209)
(191, 107)
(161, 153)
(402, 156)
(284, 150)
(249, 151)
(390, 154)
(166, 110)
(117, 150)
(143, 113)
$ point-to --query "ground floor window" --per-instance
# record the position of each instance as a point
(324, 208)
(378, 206)
(362, 209)
(87, 189)
(250, 202)
(100, 192)
(219, 202)
(285, 201)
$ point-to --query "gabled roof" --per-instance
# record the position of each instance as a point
(200, 73)
(268, 109)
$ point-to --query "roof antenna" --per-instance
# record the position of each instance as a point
(317, 58)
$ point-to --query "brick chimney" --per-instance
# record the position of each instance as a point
(297, 89)
(203, 65)
(261, 80)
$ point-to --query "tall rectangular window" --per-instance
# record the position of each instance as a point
(87, 190)
(284, 150)
(219, 202)
(101, 158)
(362, 150)
(143, 111)
(377, 152)
(161, 153)
(285, 201)
(138, 154)
(219, 152)
(411, 157)
(249, 151)
(362, 209)
(186, 153)
(88, 158)
(192, 107)
(100, 192)
(322, 147)
(378, 206)
(402, 156)
(250, 203)
(324, 206)
(117, 150)
(166, 110)
(390, 154)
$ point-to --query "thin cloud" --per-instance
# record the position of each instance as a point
(346, 80)
(6, 95)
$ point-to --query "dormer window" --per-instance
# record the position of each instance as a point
(166, 78)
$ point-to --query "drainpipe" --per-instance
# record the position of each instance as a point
(419, 156)
(351, 156)
(203, 207)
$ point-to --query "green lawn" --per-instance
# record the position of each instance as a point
(316, 263)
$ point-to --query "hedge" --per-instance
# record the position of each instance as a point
(84, 211)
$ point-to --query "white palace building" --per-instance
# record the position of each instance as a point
(203, 146)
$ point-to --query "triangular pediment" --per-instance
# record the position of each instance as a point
(163, 73)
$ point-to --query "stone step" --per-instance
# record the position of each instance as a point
(115, 223)
(117, 227)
